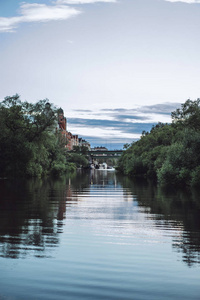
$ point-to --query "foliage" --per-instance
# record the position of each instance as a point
(78, 159)
(169, 152)
(29, 142)
(79, 156)
(80, 149)
(188, 115)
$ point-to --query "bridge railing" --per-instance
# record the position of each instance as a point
(108, 153)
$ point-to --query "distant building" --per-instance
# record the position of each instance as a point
(69, 144)
(62, 125)
(99, 149)
(62, 121)
(75, 141)
(84, 143)
(69, 139)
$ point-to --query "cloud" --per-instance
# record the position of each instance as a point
(83, 1)
(123, 127)
(34, 12)
(132, 117)
(162, 109)
(115, 127)
(122, 124)
(114, 109)
(185, 1)
(111, 144)
(83, 110)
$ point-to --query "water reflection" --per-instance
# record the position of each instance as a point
(33, 212)
(173, 209)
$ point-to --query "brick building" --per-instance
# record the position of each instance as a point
(69, 139)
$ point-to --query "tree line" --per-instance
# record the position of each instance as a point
(30, 142)
(169, 153)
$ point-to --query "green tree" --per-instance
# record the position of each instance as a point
(78, 159)
(188, 115)
(169, 152)
(29, 144)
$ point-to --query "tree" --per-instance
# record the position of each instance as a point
(188, 115)
(81, 150)
(169, 152)
(28, 141)
(78, 159)
(27, 118)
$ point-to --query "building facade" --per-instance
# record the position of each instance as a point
(68, 138)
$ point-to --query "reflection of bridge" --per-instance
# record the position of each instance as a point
(105, 154)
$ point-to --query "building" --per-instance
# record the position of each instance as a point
(84, 143)
(69, 139)
(99, 149)
(62, 125)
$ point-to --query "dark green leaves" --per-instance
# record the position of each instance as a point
(170, 152)
(29, 143)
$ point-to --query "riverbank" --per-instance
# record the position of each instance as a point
(169, 153)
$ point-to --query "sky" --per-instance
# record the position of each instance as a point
(116, 67)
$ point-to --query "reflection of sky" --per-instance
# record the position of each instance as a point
(111, 211)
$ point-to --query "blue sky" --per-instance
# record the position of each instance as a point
(115, 67)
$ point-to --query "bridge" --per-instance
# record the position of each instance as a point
(95, 154)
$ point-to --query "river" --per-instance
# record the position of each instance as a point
(97, 235)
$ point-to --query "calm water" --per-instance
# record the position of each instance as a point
(98, 236)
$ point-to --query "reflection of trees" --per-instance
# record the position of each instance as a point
(32, 213)
(172, 208)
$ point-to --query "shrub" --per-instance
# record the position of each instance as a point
(195, 176)
(167, 174)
